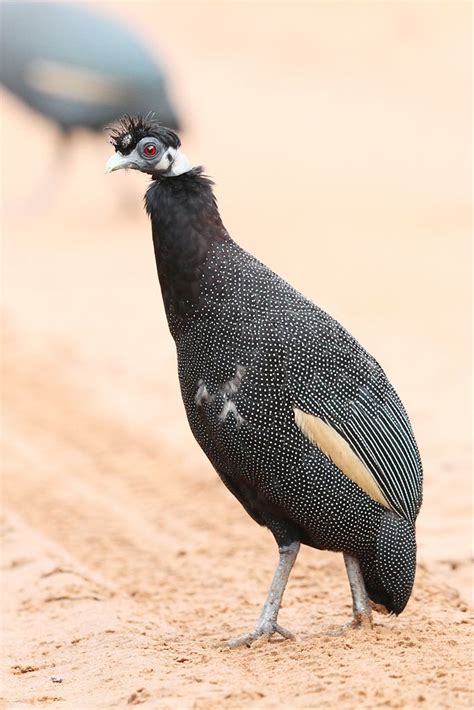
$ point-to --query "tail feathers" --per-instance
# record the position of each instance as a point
(390, 574)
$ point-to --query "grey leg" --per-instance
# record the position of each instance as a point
(360, 600)
(267, 622)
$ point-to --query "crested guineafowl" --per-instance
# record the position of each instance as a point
(78, 68)
(299, 421)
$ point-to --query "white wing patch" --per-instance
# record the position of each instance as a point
(226, 390)
(202, 395)
(76, 83)
(338, 450)
(230, 408)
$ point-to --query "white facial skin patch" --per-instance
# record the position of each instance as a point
(178, 161)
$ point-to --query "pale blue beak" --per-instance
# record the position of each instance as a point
(117, 161)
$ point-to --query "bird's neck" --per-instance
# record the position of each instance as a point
(185, 225)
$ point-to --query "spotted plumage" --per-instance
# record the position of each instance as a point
(258, 362)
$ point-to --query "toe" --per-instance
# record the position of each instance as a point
(277, 629)
(244, 640)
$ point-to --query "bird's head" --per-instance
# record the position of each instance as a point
(143, 144)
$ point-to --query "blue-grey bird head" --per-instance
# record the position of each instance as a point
(144, 144)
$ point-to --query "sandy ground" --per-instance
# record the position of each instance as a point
(338, 135)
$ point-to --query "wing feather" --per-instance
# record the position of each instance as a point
(332, 377)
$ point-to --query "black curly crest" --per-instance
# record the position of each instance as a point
(131, 129)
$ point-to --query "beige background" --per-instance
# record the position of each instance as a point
(339, 138)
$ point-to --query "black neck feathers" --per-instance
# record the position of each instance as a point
(185, 224)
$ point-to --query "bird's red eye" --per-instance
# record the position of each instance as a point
(150, 149)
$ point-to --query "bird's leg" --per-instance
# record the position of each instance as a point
(360, 600)
(267, 622)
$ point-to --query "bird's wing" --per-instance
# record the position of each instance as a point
(344, 403)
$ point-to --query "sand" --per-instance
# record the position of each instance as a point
(338, 135)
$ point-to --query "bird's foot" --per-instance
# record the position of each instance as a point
(263, 631)
(361, 620)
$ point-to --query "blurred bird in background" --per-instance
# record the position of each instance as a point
(79, 69)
